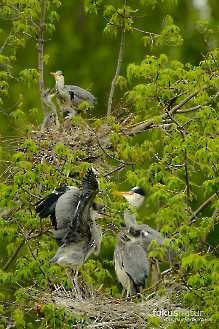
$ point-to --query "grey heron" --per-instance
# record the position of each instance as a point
(131, 263)
(83, 236)
(146, 233)
(48, 96)
(73, 213)
(71, 96)
(130, 258)
(60, 206)
(143, 233)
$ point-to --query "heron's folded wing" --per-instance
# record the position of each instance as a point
(81, 93)
(135, 263)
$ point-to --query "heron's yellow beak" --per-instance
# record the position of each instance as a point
(54, 74)
(122, 193)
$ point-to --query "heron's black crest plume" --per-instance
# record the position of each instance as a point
(138, 190)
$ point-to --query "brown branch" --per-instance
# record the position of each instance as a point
(183, 102)
(202, 206)
(138, 128)
(191, 109)
(4, 45)
(115, 170)
(145, 32)
(14, 255)
(183, 134)
(40, 49)
(17, 250)
(118, 69)
(142, 126)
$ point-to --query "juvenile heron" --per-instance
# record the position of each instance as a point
(48, 97)
(70, 96)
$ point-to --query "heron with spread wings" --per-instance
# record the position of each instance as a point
(73, 214)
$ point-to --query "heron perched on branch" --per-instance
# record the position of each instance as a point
(70, 96)
(142, 235)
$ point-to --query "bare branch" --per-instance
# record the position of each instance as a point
(13, 256)
(118, 69)
(183, 102)
(202, 206)
(40, 48)
(145, 32)
(191, 109)
(115, 170)
(4, 45)
(148, 124)
(183, 134)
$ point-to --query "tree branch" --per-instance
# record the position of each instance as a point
(145, 32)
(118, 69)
(15, 253)
(183, 102)
(201, 207)
(183, 134)
(142, 126)
(13, 256)
(40, 48)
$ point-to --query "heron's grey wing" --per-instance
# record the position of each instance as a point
(81, 221)
(75, 251)
(46, 206)
(123, 277)
(136, 263)
(66, 207)
(79, 94)
(147, 234)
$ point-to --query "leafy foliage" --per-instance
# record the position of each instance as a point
(164, 137)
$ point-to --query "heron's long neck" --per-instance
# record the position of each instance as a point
(129, 218)
(60, 84)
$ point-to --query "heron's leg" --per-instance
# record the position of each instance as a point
(155, 272)
(57, 119)
(72, 276)
(76, 286)
(123, 292)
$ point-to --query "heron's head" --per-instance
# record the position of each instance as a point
(58, 75)
(135, 196)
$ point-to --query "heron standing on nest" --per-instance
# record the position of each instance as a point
(70, 96)
(73, 213)
(131, 263)
(80, 236)
(142, 235)
(130, 259)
